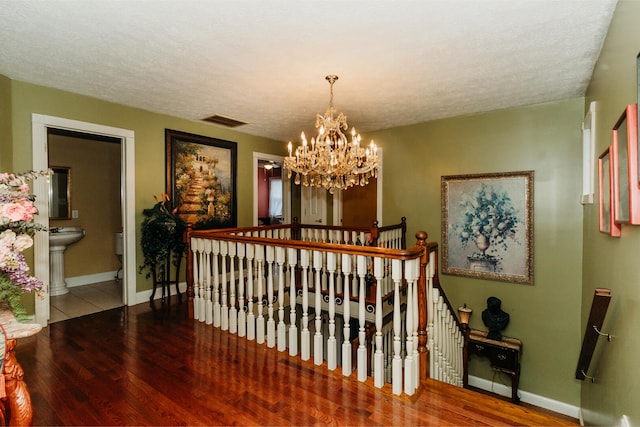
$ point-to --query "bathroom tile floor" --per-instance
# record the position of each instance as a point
(87, 299)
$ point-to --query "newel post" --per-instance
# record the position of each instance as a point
(423, 352)
(189, 276)
(295, 229)
(375, 233)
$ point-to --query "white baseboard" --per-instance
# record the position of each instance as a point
(90, 279)
(525, 396)
(143, 296)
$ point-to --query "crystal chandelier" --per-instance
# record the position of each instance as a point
(331, 161)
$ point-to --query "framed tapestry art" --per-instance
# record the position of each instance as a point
(201, 179)
(487, 226)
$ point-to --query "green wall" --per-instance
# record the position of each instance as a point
(613, 262)
(149, 142)
(6, 152)
(544, 138)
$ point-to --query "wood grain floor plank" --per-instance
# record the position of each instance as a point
(138, 366)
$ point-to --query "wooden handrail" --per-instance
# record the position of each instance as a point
(433, 247)
(599, 306)
(230, 236)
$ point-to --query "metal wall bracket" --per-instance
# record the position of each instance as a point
(609, 336)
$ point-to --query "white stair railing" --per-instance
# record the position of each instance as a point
(257, 286)
(445, 339)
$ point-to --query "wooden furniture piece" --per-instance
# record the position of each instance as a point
(16, 405)
(504, 356)
(599, 306)
(161, 275)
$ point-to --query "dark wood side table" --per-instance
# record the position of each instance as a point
(504, 356)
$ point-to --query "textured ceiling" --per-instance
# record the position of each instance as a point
(264, 62)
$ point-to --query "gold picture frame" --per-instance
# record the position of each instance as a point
(487, 226)
(201, 179)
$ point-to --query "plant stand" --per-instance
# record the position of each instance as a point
(161, 275)
(15, 405)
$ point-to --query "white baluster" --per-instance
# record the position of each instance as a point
(260, 327)
(440, 338)
(416, 320)
(378, 357)
(447, 345)
(215, 251)
(202, 309)
(324, 277)
(346, 344)
(332, 349)
(251, 318)
(233, 311)
(362, 337)
(305, 335)
(224, 309)
(282, 327)
(409, 365)
(396, 274)
(431, 307)
(207, 283)
(242, 315)
(317, 337)
(338, 276)
(292, 258)
(197, 272)
(271, 323)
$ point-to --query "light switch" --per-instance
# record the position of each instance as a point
(74, 213)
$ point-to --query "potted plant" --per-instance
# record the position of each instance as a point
(162, 242)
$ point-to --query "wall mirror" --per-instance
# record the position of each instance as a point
(60, 193)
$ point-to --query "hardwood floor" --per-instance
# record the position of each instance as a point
(137, 366)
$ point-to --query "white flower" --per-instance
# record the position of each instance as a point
(7, 238)
(23, 242)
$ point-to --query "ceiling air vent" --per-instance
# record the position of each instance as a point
(224, 121)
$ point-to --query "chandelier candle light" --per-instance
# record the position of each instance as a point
(331, 161)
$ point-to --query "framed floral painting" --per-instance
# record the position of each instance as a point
(487, 226)
(201, 179)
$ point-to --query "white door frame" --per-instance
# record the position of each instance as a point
(286, 186)
(40, 124)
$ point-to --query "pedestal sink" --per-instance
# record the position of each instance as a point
(59, 239)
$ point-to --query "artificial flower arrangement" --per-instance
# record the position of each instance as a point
(490, 217)
(17, 211)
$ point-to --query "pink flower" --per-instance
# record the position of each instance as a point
(22, 211)
(14, 211)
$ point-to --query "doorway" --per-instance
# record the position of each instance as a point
(271, 190)
(92, 202)
(356, 206)
(41, 126)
